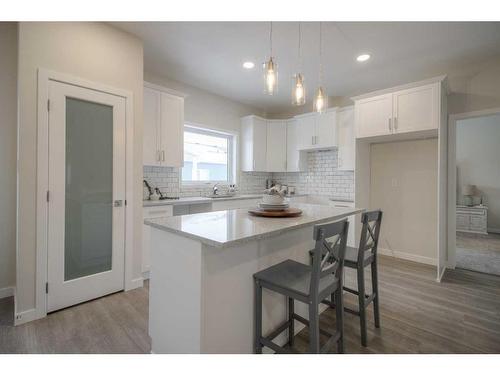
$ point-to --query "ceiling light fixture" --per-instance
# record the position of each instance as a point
(363, 57)
(248, 65)
(298, 91)
(320, 100)
(270, 69)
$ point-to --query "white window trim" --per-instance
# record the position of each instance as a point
(232, 156)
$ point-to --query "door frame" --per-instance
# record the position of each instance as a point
(452, 175)
(44, 77)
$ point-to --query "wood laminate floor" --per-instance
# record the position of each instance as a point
(418, 315)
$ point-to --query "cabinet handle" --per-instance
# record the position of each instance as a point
(163, 155)
(312, 140)
(158, 155)
(253, 165)
(395, 123)
(390, 125)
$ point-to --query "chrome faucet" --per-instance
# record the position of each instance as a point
(215, 190)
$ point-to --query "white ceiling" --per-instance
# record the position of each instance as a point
(209, 55)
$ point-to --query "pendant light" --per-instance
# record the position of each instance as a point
(299, 91)
(270, 69)
(320, 99)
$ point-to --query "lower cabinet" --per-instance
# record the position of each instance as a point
(351, 237)
(151, 213)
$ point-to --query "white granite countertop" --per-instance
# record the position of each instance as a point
(230, 227)
(201, 200)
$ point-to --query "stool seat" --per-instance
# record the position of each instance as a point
(351, 257)
(293, 279)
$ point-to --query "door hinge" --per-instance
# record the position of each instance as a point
(46, 288)
(48, 195)
(48, 104)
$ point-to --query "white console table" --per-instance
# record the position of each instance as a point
(472, 219)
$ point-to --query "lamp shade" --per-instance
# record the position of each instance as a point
(468, 189)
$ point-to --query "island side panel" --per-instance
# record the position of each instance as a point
(175, 293)
(228, 290)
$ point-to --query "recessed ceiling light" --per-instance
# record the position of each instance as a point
(363, 57)
(248, 65)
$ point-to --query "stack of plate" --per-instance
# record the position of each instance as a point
(273, 207)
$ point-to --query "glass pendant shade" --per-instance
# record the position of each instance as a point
(298, 91)
(320, 101)
(270, 77)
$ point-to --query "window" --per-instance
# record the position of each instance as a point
(208, 156)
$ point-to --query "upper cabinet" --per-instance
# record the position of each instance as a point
(276, 146)
(413, 108)
(163, 136)
(293, 155)
(346, 139)
(317, 130)
(253, 144)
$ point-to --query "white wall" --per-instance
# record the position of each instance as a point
(204, 108)
(8, 131)
(478, 156)
(92, 51)
(404, 185)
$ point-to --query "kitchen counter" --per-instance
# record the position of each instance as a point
(201, 291)
(200, 200)
(231, 227)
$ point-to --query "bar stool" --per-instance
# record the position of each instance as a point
(358, 258)
(310, 285)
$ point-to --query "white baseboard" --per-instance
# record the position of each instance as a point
(145, 275)
(27, 316)
(494, 230)
(7, 292)
(135, 283)
(408, 256)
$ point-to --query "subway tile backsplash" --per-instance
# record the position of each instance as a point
(321, 178)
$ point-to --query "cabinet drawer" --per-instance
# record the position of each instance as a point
(159, 211)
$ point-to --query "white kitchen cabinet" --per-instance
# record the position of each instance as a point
(163, 134)
(317, 130)
(472, 219)
(402, 111)
(373, 116)
(294, 162)
(416, 109)
(346, 139)
(276, 146)
(151, 213)
(253, 144)
(351, 236)
(306, 130)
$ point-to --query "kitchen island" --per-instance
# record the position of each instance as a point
(201, 284)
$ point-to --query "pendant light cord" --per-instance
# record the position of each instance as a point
(320, 53)
(271, 38)
(300, 51)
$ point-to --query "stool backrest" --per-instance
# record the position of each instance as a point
(329, 253)
(370, 233)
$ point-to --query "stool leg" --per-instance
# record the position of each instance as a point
(339, 313)
(376, 311)
(258, 318)
(313, 328)
(361, 303)
(291, 328)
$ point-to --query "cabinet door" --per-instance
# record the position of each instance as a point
(305, 131)
(346, 139)
(151, 213)
(416, 109)
(326, 130)
(463, 222)
(259, 144)
(292, 147)
(276, 146)
(373, 116)
(172, 130)
(150, 150)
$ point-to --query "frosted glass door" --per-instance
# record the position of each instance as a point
(89, 188)
(86, 189)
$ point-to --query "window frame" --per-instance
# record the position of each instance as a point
(231, 154)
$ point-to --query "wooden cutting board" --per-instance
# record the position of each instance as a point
(289, 212)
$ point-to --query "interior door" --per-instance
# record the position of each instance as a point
(86, 214)
(373, 116)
